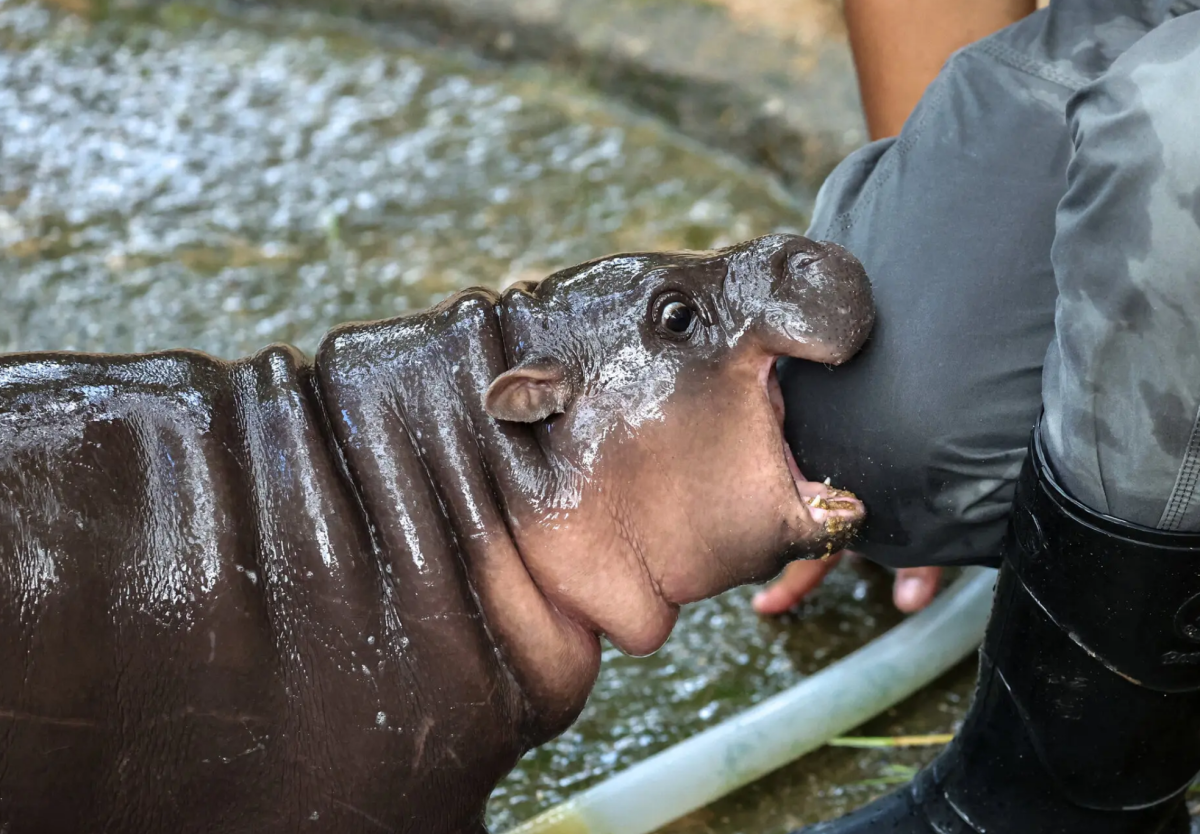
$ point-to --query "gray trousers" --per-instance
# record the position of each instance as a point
(1033, 237)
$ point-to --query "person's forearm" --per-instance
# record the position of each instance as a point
(900, 45)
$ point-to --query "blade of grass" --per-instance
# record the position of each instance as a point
(893, 774)
(891, 741)
(880, 782)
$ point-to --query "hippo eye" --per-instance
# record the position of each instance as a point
(675, 316)
(675, 313)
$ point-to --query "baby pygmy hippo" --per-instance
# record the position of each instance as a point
(346, 594)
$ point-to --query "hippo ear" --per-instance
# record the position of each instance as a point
(530, 392)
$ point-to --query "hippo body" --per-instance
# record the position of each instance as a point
(346, 594)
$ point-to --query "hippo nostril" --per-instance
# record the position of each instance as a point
(801, 263)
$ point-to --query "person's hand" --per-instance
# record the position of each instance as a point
(913, 589)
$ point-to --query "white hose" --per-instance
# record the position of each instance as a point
(738, 751)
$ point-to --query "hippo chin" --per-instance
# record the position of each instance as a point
(347, 594)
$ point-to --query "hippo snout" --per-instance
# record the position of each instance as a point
(818, 305)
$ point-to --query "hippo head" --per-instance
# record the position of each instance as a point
(649, 382)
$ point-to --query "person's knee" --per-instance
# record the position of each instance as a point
(932, 444)
(1137, 122)
(1158, 72)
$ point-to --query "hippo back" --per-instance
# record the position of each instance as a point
(195, 600)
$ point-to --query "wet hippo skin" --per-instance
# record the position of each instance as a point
(347, 594)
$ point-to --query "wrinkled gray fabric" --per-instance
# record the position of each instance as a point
(1122, 378)
(956, 221)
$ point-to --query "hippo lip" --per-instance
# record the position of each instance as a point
(827, 505)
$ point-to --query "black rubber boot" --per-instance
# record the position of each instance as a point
(1086, 717)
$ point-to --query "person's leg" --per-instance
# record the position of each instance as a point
(954, 222)
(1088, 709)
(1122, 377)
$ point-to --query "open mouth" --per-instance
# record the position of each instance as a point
(832, 508)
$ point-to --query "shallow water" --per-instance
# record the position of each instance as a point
(187, 180)
(220, 186)
(720, 660)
